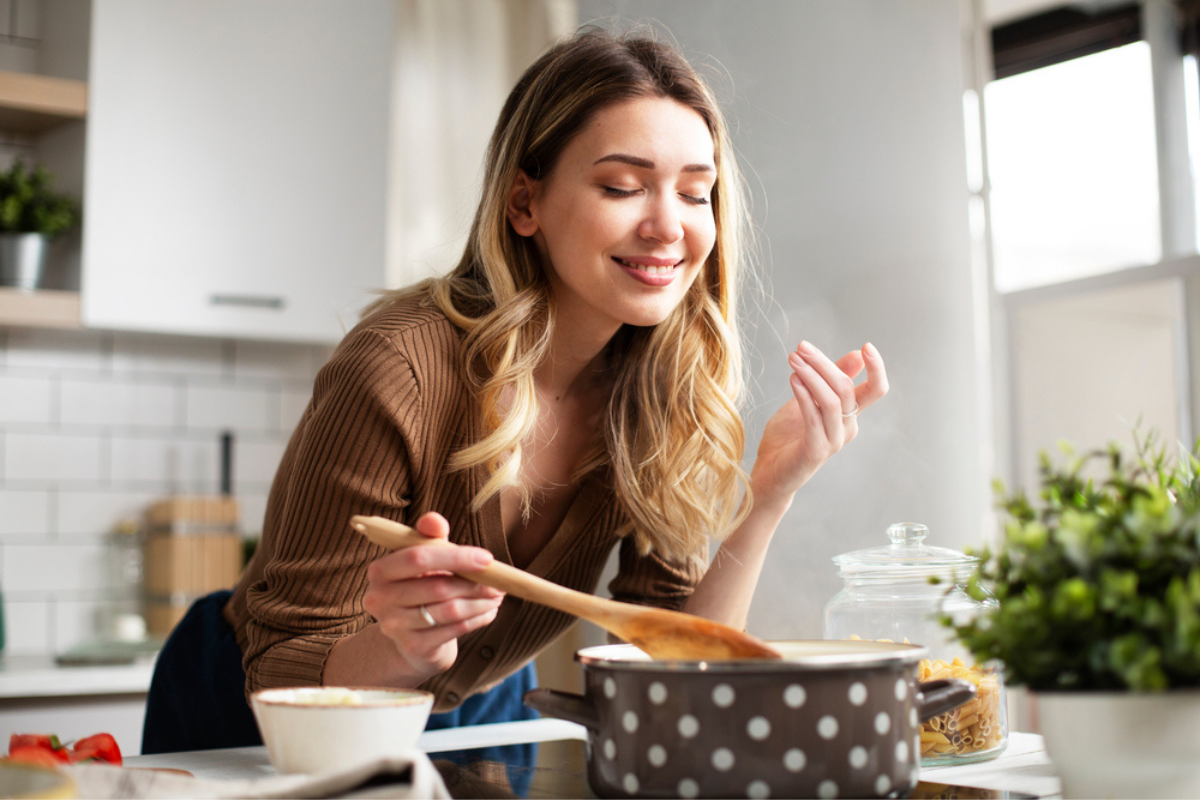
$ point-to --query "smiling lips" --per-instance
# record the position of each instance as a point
(651, 271)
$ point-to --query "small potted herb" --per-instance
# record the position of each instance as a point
(1098, 584)
(32, 213)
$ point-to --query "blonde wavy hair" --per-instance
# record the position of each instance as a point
(673, 438)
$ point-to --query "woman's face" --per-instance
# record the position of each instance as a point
(624, 222)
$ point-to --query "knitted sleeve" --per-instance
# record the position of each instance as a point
(350, 455)
(652, 580)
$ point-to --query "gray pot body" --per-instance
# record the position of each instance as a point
(799, 727)
(23, 259)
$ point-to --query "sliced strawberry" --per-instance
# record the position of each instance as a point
(36, 755)
(100, 746)
(47, 740)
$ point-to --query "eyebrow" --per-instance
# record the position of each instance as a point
(645, 163)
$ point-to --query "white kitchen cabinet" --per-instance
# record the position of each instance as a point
(236, 166)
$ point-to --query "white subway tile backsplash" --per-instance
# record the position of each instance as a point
(173, 465)
(95, 427)
(253, 508)
(210, 407)
(276, 360)
(28, 627)
(26, 399)
(120, 402)
(95, 513)
(169, 355)
(34, 348)
(255, 462)
(54, 457)
(25, 513)
(78, 622)
(57, 567)
(291, 408)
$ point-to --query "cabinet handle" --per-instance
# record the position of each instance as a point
(247, 301)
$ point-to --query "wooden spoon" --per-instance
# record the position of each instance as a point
(660, 633)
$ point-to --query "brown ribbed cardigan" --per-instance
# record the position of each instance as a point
(387, 411)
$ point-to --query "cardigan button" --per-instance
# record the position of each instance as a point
(486, 653)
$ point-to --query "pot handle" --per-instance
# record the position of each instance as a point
(571, 707)
(938, 697)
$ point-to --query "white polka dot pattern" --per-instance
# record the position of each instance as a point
(757, 790)
(717, 746)
(827, 727)
(759, 728)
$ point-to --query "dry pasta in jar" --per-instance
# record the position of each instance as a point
(976, 727)
(906, 591)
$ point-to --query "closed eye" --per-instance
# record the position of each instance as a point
(694, 200)
(613, 191)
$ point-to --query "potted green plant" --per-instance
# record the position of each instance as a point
(1098, 586)
(32, 213)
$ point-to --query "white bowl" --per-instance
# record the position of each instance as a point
(318, 728)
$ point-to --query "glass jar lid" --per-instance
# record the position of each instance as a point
(907, 556)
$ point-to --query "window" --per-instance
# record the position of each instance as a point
(1073, 169)
(1093, 310)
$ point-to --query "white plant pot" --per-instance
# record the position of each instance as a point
(1123, 744)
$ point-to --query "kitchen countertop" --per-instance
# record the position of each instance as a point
(42, 676)
(1023, 770)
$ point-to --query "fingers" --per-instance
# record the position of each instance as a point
(422, 603)
(433, 525)
(831, 389)
(851, 363)
(876, 384)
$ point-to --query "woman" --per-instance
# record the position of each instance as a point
(571, 387)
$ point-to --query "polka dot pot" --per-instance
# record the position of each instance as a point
(832, 719)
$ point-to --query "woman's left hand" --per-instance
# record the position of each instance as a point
(818, 422)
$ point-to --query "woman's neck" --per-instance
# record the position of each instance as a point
(574, 364)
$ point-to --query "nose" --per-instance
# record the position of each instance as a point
(662, 223)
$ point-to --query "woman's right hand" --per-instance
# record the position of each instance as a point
(406, 581)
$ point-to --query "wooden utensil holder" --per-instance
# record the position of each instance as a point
(192, 547)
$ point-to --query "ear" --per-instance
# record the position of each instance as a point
(519, 208)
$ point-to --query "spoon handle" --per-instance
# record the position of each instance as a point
(507, 578)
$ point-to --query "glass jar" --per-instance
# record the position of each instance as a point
(889, 596)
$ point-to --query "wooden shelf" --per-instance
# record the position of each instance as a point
(42, 308)
(35, 103)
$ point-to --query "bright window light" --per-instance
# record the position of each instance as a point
(1072, 168)
(1191, 84)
